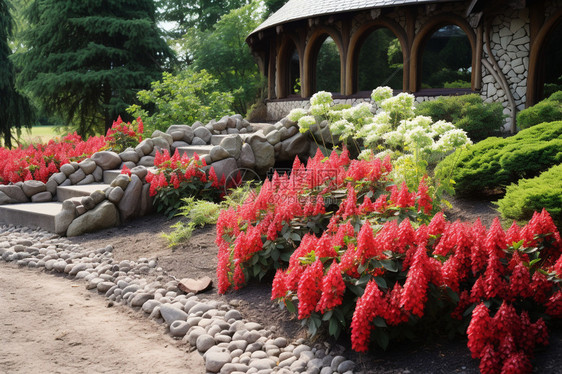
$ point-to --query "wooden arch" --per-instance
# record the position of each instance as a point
(311, 51)
(537, 49)
(283, 67)
(356, 42)
(426, 31)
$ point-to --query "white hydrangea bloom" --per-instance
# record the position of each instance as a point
(419, 121)
(418, 137)
(366, 155)
(441, 127)
(382, 118)
(296, 114)
(400, 106)
(452, 140)
(380, 94)
(321, 97)
(305, 122)
(319, 110)
(339, 127)
(394, 138)
(383, 154)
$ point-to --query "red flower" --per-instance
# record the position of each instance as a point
(424, 201)
(365, 310)
(309, 290)
(479, 331)
(333, 288)
(415, 288)
(278, 288)
(366, 245)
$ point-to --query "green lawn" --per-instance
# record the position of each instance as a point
(38, 134)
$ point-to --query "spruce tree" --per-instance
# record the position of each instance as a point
(86, 59)
(15, 111)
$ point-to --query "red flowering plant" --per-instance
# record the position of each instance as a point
(393, 280)
(261, 235)
(177, 177)
(40, 161)
(123, 135)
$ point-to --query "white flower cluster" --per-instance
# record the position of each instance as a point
(296, 114)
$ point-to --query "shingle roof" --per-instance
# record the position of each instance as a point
(301, 9)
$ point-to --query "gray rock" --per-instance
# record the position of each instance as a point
(33, 187)
(88, 166)
(178, 144)
(67, 169)
(273, 137)
(216, 358)
(178, 329)
(149, 306)
(347, 365)
(198, 141)
(42, 197)
(65, 217)
(177, 135)
(262, 364)
(233, 145)
(52, 186)
(204, 342)
(14, 192)
(233, 314)
(141, 298)
(196, 124)
(97, 196)
(131, 156)
(147, 161)
(264, 155)
(146, 206)
(129, 203)
(80, 209)
(336, 362)
(107, 160)
(115, 194)
(98, 174)
(105, 286)
(224, 167)
(144, 148)
(105, 215)
(230, 368)
(160, 134)
(219, 153)
(77, 176)
(297, 144)
(121, 180)
(161, 143)
(88, 202)
(203, 133)
(78, 268)
(58, 177)
(87, 180)
(221, 124)
(230, 131)
(171, 314)
(301, 348)
(140, 171)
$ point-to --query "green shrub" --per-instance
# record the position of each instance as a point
(494, 163)
(548, 110)
(468, 112)
(529, 195)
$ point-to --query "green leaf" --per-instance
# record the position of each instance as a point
(334, 328)
(379, 322)
(327, 315)
(275, 254)
(290, 306)
(382, 338)
(389, 265)
(381, 282)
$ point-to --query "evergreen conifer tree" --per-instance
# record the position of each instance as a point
(15, 111)
(86, 59)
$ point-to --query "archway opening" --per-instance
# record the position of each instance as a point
(447, 59)
(380, 61)
(328, 67)
(552, 63)
(294, 76)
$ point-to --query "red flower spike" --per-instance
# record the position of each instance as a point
(366, 245)
(279, 288)
(520, 283)
(414, 295)
(333, 288)
(495, 242)
(309, 289)
(517, 363)
(479, 331)
(365, 311)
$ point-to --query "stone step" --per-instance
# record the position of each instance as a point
(217, 139)
(32, 215)
(191, 149)
(67, 192)
(110, 175)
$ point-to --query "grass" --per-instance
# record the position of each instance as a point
(38, 134)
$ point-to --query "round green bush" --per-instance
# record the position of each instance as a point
(529, 195)
(548, 110)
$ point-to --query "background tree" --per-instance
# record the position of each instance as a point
(272, 6)
(15, 111)
(200, 14)
(87, 59)
(223, 52)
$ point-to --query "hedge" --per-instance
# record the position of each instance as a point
(548, 110)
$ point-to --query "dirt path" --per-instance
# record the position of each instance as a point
(50, 324)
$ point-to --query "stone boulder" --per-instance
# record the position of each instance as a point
(233, 145)
(107, 160)
(65, 217)
(33, 187)
(105, 215)
(297, 144)
(224, 167)
(88, 166)
(203, 133)
(14, 192)
(264, 155)
(129, 203)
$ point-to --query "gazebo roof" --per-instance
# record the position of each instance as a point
(301, 9)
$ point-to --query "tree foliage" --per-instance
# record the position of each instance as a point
(15, 111)
(181, 99)
(224, 53)
(87, 59)
(199, 14)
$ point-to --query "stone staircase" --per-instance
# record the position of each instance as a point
(44, 215)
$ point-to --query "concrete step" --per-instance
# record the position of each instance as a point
(67, 192)
(32, 215)
(191, 149)
(217, 139)
(110, 175)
